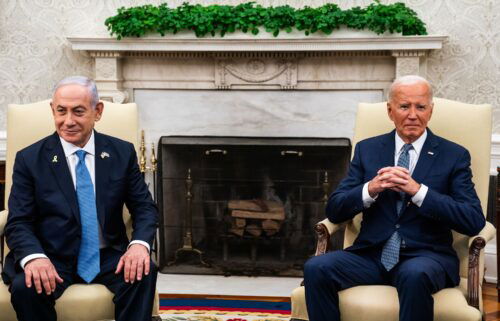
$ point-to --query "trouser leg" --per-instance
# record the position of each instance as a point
(416, 279)
(133, 301)
(32, 306)
(327, 274)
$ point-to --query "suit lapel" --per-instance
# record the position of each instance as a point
(102, 169)
(427, 156)
(54, 154)
(387, 146)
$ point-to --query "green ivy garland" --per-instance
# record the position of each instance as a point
(248, 17)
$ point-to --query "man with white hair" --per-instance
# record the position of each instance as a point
(65, 221)
(413, 188)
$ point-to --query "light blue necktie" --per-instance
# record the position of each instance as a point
(390, 252)
(88, 257)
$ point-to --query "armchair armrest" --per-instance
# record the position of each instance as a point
(324, 230)
(3, 220)
(476, 245)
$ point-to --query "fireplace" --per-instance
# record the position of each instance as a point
(252, 201)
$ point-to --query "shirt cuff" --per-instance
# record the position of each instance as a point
(367, 199)
(30, 257)
(419, 197)
(139, 242)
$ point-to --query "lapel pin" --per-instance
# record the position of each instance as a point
(54, 159)
(430, 153)
(104, 155)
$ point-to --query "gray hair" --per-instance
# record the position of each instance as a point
(82, 81)
(408, 80)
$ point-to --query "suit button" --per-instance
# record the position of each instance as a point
(398, 226)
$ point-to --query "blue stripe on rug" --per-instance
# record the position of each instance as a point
(214, 303)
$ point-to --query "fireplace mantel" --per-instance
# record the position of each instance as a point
(246, 62)
(186, 43)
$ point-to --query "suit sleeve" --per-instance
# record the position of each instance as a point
(20, 229)
(460, 209)
(139, 203)
(347, 201)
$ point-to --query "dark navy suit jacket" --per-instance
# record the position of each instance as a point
(43, 207)
(451, 202)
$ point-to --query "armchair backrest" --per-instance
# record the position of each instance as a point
(465, 124)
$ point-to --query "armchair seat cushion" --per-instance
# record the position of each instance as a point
(78, 302)
(380, 303)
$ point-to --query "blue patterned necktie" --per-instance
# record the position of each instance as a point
(88, 257)
(390, 252)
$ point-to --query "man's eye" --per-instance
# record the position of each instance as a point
(421, 107)
(403, 107)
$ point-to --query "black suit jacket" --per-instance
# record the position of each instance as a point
(451, 202)
(43, 208)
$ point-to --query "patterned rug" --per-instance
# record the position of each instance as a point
(223, 308)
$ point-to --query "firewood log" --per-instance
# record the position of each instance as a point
(271, 227)
(255, 205)
(253, 229)
(278, 215)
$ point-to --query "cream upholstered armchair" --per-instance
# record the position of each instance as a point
(469, 126)
(27, 124)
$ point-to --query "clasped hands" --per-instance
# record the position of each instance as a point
(42, 273)
(395, 178)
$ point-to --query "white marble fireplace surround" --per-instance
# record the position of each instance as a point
(295, 86)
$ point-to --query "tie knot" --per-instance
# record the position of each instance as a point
(406, 148)
(81, 155)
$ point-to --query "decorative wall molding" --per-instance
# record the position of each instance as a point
(265, 72)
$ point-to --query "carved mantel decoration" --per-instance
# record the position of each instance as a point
(312, 63)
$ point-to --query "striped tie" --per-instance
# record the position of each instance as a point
(88, 257)
(390, 252)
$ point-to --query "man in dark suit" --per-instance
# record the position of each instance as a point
(65, 221)
(413, 188)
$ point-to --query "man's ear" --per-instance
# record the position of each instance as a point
(99, 108)
(389, 111)
(52, 108)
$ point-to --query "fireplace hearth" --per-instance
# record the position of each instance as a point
(244, 205)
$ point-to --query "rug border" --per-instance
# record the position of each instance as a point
(226, 297)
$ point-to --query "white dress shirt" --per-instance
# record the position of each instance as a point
(72, 160)
(414, 153)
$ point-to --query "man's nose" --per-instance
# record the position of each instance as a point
(412, 112)
(68, 120)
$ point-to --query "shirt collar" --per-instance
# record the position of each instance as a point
(70, 149)
(417, 145)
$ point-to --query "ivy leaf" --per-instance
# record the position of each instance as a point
(212, 19)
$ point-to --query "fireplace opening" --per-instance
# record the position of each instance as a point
(244, 205)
